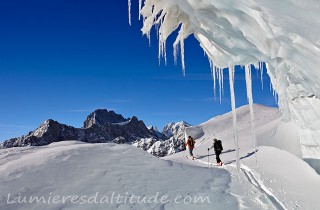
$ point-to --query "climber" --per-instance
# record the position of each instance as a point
(190, 144)
(217, 145)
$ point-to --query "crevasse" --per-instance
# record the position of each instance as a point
(285, 34)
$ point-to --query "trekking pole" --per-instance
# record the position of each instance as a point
(208, 159)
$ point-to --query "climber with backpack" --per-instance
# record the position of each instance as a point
(190, 144)
(217, 145)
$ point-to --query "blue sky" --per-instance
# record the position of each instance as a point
(62, 59)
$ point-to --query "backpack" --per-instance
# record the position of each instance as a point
(191, 142)
(220, 145)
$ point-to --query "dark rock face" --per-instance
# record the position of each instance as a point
(48, 132)
(101, 126)
(103, 117)
(156, 132)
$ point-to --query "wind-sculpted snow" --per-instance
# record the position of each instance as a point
(284, 34)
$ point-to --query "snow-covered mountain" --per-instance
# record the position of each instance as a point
(175, 130)
(100, 126)
(77, 175)
(172, 140)
(284, 34)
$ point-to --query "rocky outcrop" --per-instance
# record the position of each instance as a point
(172, 141)
(161, 148)
(155, 131)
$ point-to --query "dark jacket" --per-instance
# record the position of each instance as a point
(217, 145)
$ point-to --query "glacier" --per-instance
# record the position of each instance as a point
(283, 34)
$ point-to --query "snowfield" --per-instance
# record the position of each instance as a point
(76, 175)
(67, 174)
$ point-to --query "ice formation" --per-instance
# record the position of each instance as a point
(234, 115)
(284, 34)
(250, 101)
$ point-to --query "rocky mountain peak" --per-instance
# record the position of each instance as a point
(102, 117)
(154, 129)
(175, 129)
(43, 128)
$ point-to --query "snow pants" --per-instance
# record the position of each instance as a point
(218, 153)
(191, 151)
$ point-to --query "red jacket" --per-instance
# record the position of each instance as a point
(189, 142)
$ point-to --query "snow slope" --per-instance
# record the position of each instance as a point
(284, 34)
(102, 171)
(77, 175)
(279, 179)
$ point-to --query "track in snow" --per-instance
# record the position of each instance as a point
(253, 181)
(262, 188)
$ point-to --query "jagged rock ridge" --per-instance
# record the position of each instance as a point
(100, 126)
(103, 117)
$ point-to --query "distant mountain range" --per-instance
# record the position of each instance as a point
(102, 126)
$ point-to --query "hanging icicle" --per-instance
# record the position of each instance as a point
(182, 50)
(261, 73)
(140, 7)
(219, 82)
(234, 116)
(213, 73)
(175, 52)
(250, 100)
(129, 11)
(222, 82)
(149, 38)
(159, 51)
(165, 52)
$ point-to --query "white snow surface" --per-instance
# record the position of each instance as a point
(105, 170)
(279, 180)
(97, 173)
(285, 34)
